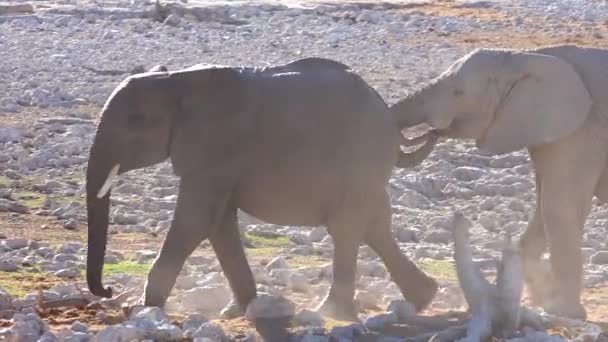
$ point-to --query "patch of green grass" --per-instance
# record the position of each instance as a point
(298, 261)
(260, 242)
(331, 323)
(30, 199)
(24, 281)
(266, 246)
(264, 251)
(440, 269)
(126, 267)
(69, 199)
(5, 181)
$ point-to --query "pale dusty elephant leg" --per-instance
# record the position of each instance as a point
(533, 244)
(416, 287)
(226, 242)
(197, 215)
(570, 170)
(346, 230)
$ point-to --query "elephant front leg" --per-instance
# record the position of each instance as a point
(566, 198)
(226, 243)
(197, 214)
(565, 235)
(533, 244)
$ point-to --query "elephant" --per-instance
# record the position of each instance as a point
(307, 143)
(553, 101)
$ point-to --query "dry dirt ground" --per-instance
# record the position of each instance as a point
(45, 229)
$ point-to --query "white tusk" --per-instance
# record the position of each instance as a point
(108, 183)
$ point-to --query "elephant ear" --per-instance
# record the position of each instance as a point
(208, 126)
(545, 99)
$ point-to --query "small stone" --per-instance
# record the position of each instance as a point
(10, 134)
(600, 258)
(277, 263)
(67, 273)
(349, 332)
(268, 306)
(299, 238)
(117, 333)
(172, 20)
(298, 282)
(402, 309)
(5, 300)
(144, 256)
(315, 338)
(193, 322)
(438, 237)
(7, 265)
(405, 235)
(209, 331)
(378, 322)
(281, 276)
(151, 313)
(71, 224)
(317, 234)
(111, 259)
(79, 327)
(308, 317)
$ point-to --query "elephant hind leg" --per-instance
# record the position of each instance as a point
(346, 227)
(416, 286)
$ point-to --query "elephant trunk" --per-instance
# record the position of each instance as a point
(102, 166)
(410, 111)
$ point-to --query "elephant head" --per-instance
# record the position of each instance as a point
(504, 99)
(145, 121)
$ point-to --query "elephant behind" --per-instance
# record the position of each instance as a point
(554, 102)
(306, 143)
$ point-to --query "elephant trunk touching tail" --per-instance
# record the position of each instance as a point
(412, 111)
(100, 169)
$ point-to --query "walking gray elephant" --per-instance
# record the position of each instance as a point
(306, 143)
(554, 102)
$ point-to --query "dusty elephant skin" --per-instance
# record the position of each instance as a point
(306, 143)
(554, 102)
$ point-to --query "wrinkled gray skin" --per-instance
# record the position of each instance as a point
(307, 143)
(554, 102)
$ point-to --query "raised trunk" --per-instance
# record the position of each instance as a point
(100, 163)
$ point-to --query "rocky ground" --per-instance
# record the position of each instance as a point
(60, 61)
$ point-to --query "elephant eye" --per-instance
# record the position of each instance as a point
(458, 92)
(134, 120)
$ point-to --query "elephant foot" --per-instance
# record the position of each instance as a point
(148, 299)
(424, 292)
(339, 311)
(568, 310)
(232, 310)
